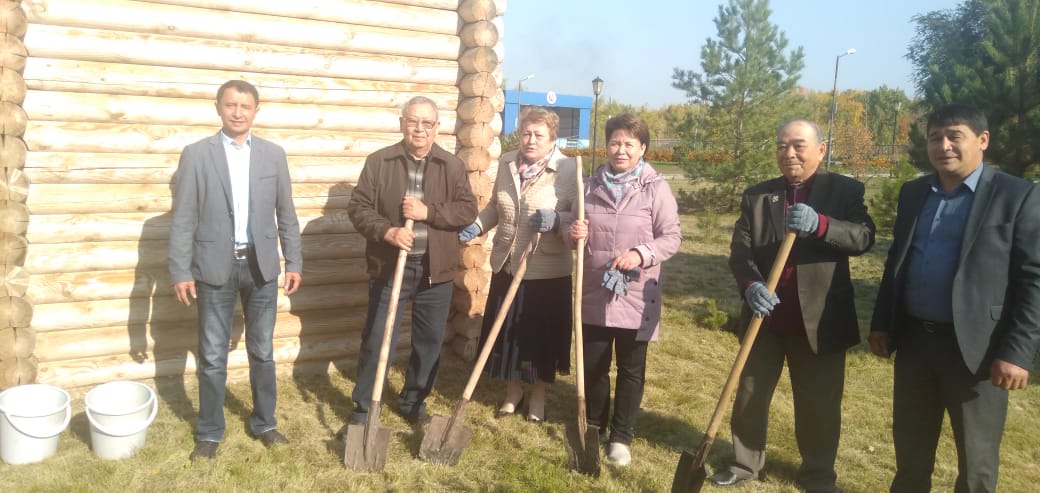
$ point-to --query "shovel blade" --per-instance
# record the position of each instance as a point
(441, 448)
(690, 473)
(366, 448)
(583, 449)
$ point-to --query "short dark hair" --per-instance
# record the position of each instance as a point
(631, 123)
(813, 125)
(240, 86)
(958, 114)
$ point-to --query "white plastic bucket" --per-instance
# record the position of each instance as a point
(119, 414)
(31, 419)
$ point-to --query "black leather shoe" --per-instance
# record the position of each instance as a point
(417, 418)
(356, 418)
(270, 438)
(728, 478)
(204, 449)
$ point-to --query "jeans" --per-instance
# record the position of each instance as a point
(430, 305)
(216, 307)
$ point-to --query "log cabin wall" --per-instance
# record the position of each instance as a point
(100, 96)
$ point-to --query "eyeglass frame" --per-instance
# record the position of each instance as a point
(424, 124)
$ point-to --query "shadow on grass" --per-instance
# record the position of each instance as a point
(698, 275)
(79, 426)
(681, 436)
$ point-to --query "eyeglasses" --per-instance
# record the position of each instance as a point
(425, 124)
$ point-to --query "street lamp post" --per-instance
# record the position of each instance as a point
(597, 88)
(895, 129)
(834, 105)
(519, 90)
(895, 124)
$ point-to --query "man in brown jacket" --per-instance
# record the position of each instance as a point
(413, 179)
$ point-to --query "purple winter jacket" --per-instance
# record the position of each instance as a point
(647, 220)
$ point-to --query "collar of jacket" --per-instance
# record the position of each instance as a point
(648, 176)
(437, 153)
(513, 158)
(780, 183)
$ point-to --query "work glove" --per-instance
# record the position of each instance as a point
(469, 232)
(545, 220)
(760, 299)
(614, 281)
(803, 219)
(617, 280)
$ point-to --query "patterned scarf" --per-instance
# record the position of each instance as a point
(528, 172)
(618, 183)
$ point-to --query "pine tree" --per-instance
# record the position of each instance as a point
(744, 78)
(986, 53)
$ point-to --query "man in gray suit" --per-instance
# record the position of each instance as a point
(232, 203)
(811, 317)
(959, 304)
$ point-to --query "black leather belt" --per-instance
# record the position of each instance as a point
(243, 253)
(929, 325)
(417, 257)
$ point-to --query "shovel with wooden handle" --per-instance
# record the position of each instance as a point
(582, 439)
(446, 438)
(691, 472)
(367, 444)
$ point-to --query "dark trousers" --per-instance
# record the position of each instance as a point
(930, 380)
(599, 343)
(216, 306)
(430, 304)
(817, 384)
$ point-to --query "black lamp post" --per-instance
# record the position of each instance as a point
(597, 88)
(834, 105)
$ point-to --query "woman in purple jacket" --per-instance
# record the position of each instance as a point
(631, 226)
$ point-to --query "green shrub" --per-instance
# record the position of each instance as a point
(713, 318)
(883, 204)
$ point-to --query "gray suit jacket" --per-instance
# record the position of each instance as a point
(825, 290)
(996, 291)
(202, 234)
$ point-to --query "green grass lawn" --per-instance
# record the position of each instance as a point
(685, 374)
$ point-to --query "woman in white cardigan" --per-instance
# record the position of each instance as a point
(533, 186)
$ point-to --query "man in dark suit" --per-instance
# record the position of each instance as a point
(959, 303)
(812, 319)
(232, 203)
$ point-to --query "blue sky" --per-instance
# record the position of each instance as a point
(634, 45)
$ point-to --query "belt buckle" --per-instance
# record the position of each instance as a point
(241, 253)
(931, 327)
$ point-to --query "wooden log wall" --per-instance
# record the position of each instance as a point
(479, 119)
(18, 364)
(99, 97)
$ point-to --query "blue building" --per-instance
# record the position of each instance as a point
(574, 111)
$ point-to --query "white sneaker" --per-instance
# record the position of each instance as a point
(619, 454)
